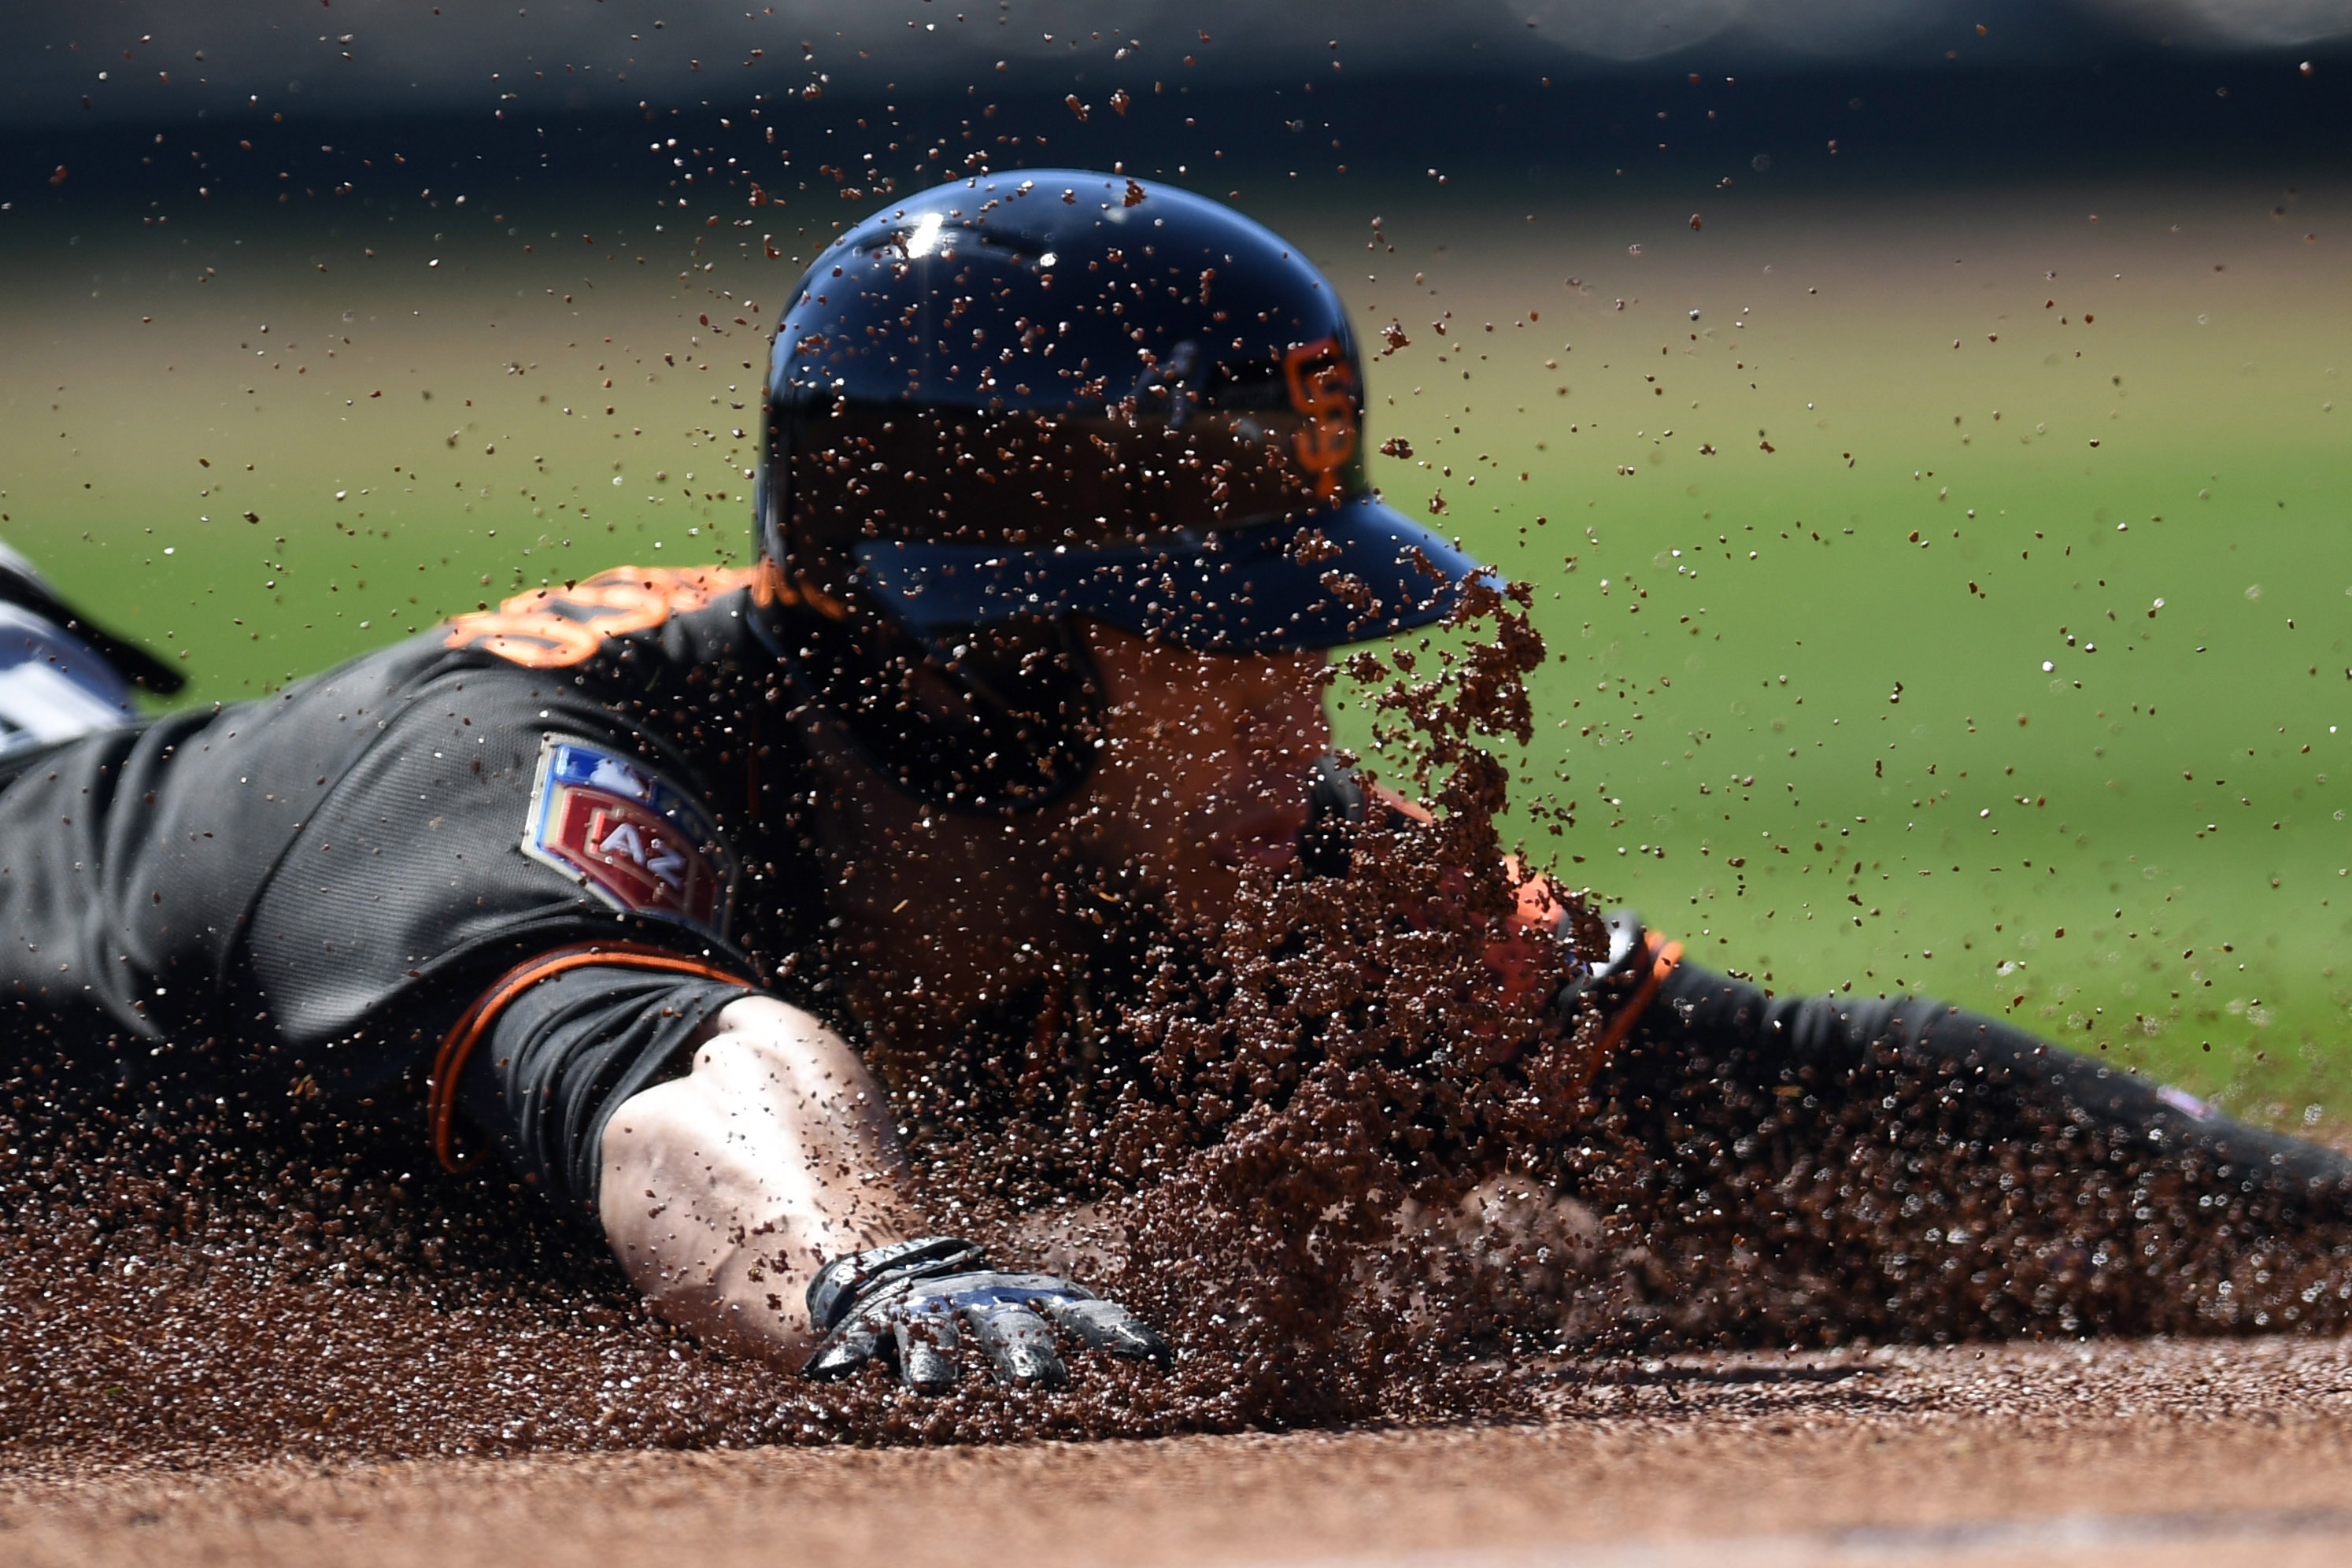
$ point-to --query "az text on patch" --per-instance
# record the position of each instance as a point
(642, 844)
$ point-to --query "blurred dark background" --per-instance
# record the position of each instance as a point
(378, 103)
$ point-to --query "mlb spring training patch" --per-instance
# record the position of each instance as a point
(629, 835)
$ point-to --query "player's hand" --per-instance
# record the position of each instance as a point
(1625, 984)
(917, 1304)
(1614, 977)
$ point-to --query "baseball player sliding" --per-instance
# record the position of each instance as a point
(1063, 503)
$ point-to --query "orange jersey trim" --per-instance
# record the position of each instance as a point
(549, 628)
(458, 1045)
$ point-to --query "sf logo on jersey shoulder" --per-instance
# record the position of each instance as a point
(640, 843)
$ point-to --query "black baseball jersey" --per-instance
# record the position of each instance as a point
(524, 855)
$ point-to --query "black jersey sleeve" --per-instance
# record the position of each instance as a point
(498, 817)
(563, 1053)
(1709, 1028)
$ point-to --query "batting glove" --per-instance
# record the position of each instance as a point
(914, 1302)
(1638, 966)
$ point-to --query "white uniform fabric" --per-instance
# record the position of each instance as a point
(53, 685)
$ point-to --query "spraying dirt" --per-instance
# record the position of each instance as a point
(1354, 1177)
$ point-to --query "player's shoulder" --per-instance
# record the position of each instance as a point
(551, 628)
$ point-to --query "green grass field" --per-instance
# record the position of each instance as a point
(1846, 518)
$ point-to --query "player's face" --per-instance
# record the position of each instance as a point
(1204, 766)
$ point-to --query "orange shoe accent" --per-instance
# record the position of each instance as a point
(458, 1045)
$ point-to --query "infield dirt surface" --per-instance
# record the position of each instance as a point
(2167, 1451)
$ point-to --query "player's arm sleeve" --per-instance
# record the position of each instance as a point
(1703, 1025)
(543, 1060)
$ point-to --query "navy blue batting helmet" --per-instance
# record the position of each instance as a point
(1020, 399)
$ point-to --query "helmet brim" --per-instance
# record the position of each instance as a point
(1358, 570)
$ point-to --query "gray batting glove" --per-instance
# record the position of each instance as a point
(913, 1303)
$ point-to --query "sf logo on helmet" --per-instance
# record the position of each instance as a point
(1323, 390)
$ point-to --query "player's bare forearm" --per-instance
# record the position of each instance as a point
(775, 1146)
